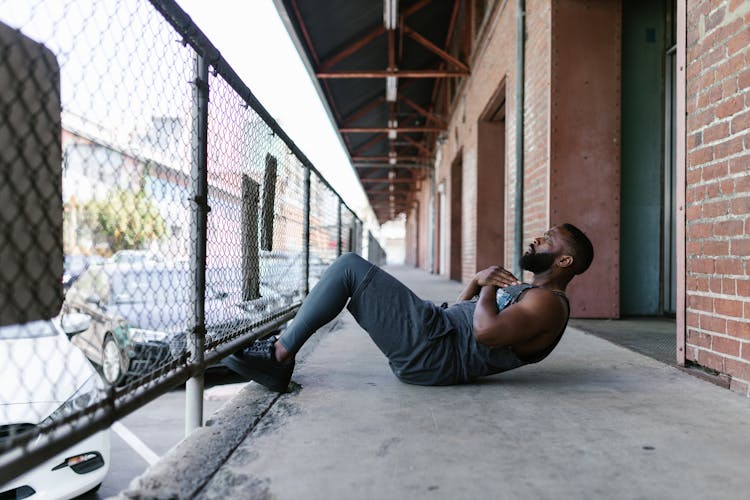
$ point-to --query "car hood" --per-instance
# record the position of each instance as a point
(178, 317)
(37, 376)
(165, 317)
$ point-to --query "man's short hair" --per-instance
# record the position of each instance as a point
(582, 249)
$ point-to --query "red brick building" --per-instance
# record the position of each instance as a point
(628, 119)
(717, 189)
(605, 146)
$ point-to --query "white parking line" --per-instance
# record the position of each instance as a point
(139, 446)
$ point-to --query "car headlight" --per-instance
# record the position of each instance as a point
(83, 397)
(142, 336)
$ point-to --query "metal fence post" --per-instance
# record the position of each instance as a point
(198, 229)
(306, 230)
(250, 253)
(338, 230)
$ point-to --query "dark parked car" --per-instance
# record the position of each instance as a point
(141, 312)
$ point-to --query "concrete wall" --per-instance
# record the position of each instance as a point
(718, 188)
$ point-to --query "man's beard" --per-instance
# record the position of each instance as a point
(537, 262)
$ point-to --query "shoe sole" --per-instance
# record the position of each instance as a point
(258, 376)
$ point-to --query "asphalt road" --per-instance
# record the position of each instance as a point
(148, 433)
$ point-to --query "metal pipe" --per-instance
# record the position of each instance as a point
(198, 228)
(680, 178)
(520, 61)
(431, 224)
(306, 230)
(339, 243)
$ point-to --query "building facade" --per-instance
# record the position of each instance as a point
(628, 119)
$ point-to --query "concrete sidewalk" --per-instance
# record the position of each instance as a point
(594, 420)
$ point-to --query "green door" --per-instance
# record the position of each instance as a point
(647, 203)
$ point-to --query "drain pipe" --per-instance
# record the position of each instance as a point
(431, 224)
(520, 61)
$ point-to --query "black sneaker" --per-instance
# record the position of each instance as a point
(258, 362)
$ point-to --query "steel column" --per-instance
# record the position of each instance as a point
(306, 230)
(198, 228)
(680, 177)
(518, 202)
(338, 226)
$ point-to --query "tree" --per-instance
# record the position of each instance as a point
(127, 219)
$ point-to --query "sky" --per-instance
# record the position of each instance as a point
(252, 38)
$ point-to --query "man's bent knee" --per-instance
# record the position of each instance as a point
(347, 259)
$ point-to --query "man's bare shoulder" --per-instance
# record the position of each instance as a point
(543, 301)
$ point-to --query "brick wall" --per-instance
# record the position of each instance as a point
(537, 121)
(718, 188)
(493, 66)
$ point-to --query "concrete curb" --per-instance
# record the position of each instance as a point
(185, 470)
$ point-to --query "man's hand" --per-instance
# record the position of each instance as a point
(496, 276)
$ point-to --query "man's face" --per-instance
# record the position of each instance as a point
(542, 252)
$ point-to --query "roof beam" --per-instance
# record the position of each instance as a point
(377, 139)
(385, 158)
(354, 47)
(397, 204)
(305, 33)
(366, 38)
(388, 165)
(375, 130)
(416, 73)
(417, 145)
(372, 180)
(435, 49)
(364, 110)
(419, 109)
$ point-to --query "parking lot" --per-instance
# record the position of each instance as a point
(145, 435)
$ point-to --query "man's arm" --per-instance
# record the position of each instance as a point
(537, 314)
(469, 291)
(494, 275)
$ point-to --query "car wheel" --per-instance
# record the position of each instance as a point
(111, 360)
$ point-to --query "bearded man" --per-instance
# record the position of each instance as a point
(497, 324)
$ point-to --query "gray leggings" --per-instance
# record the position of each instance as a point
(407, 329)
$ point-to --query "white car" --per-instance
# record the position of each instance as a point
(46, 377)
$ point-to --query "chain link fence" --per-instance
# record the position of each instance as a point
(190, 224)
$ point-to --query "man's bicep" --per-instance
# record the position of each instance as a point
(517, 323)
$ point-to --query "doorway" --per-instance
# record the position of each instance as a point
(669, 242)
(490, 187)
(442, 231)
(648, 218)
(456, 194)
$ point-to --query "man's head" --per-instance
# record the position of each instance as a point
(564, 249)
